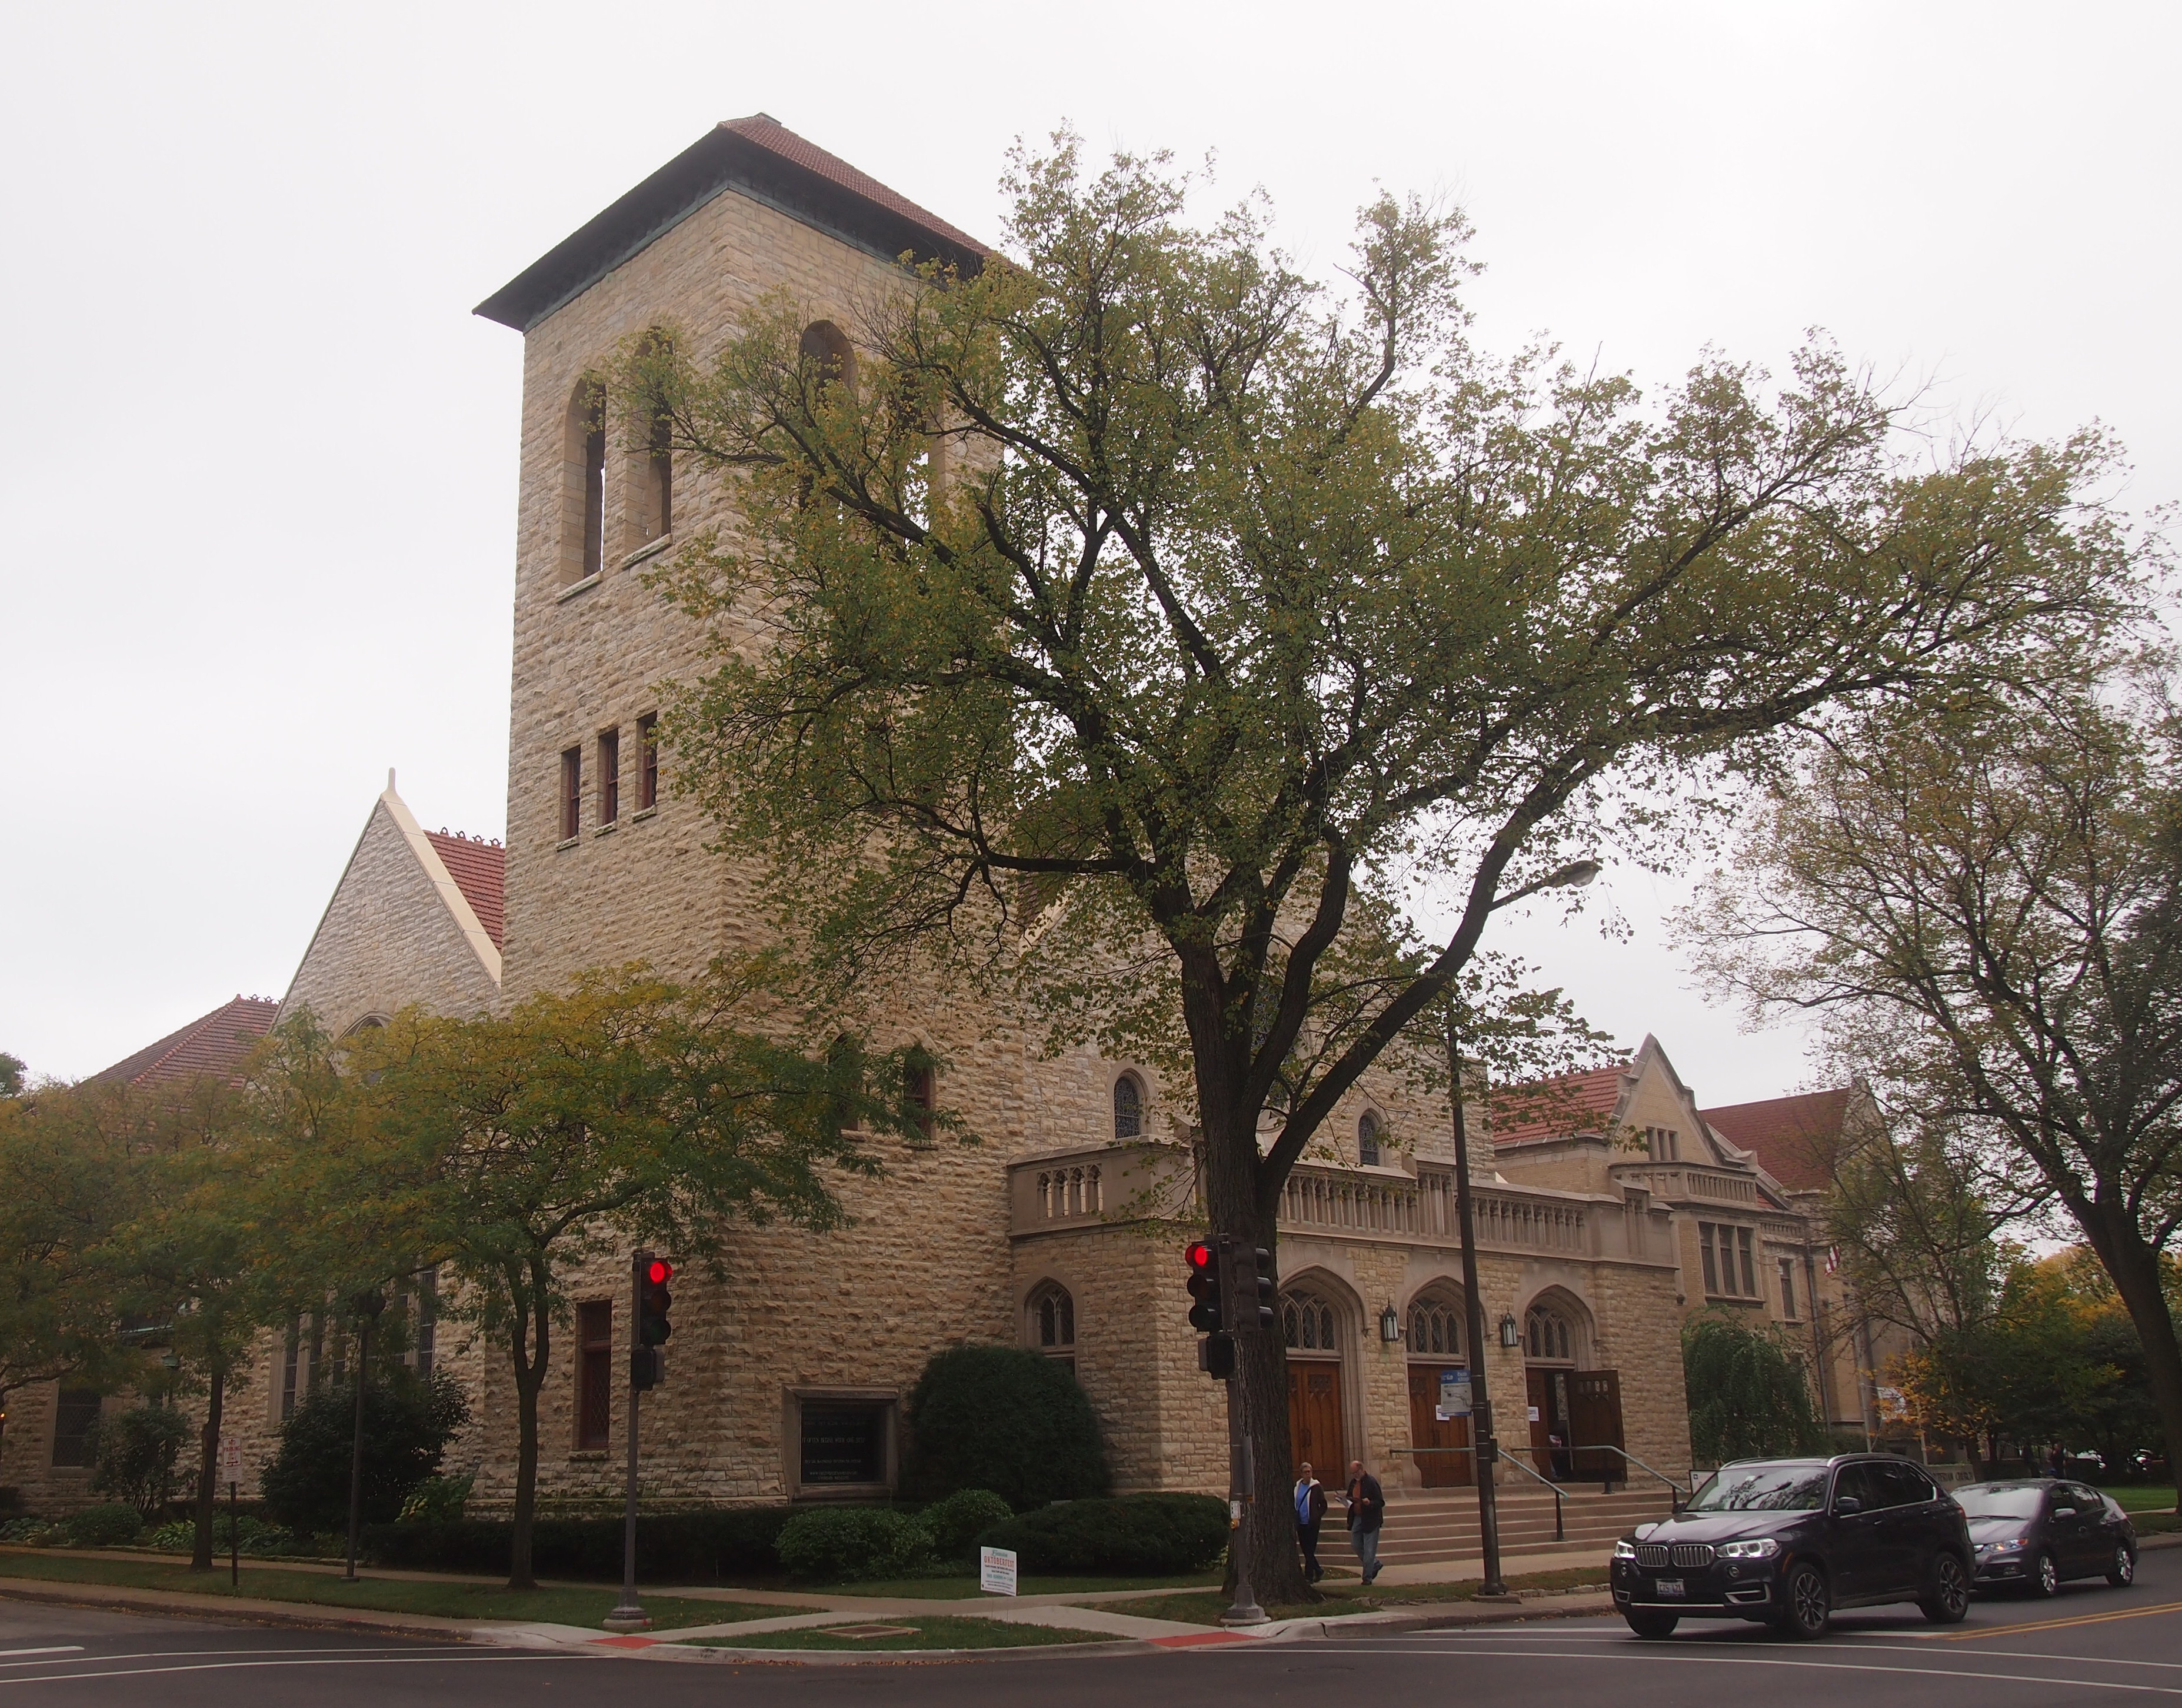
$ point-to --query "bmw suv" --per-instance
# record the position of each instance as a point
(1785, 1542)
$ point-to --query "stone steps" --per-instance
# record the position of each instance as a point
(1442, 1526)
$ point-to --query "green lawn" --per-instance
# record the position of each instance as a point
(1205, 1609)
(556, 1606)
(2134, 1498)
(928, 1632)
(964, 1587)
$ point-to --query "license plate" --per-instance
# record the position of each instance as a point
(1671, 1588)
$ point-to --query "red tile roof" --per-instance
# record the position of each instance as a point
(1793, 1138)
(776, 138)
(1556, 1108)
(479, 869)
(216, 1044)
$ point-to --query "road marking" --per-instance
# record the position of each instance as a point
(1862, 1645)
(55, 1648)
(2062, 1624)
(330, 1659)
(1691, 1658)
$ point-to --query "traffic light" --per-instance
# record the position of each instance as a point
(647, 1361)
(1203, 1286)
(1258, 1286)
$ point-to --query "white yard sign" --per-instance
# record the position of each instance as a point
(996, 1571)
(230, 1458)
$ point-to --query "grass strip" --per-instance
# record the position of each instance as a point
(1205, 1609)
(964, 1587)
(927, 1631)
(560, 1605)
(2137, 1498)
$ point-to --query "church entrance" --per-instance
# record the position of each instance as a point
(1441, 1446)
(1314, 1420)
(1576, 1420)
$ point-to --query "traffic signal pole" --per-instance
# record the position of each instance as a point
(1481, 1404)
(1236, 1288)
(629, 1615)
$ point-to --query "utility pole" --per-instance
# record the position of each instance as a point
(1240, 1293)
(629, 1614)
(1481, 1404)
(366, 1307)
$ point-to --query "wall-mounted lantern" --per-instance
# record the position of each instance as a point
(1390, 1324)
(1511, 1332)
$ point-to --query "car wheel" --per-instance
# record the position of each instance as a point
(1806, 1604)
(1950, 1599)
(2123, 1573)
(2045, 1575)
(1652, 1627)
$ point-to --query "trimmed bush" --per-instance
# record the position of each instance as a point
(1135, 1535)
(406, 1425)
(1000, 1418)
(134, 1455)
(707, 1546)
(103, 1527)
(438, 1499)
(841, 1544)
(957, 1522)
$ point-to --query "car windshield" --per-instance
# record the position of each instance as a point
(1762, 1489)
(1999, 1499)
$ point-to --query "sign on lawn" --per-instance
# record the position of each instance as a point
(230, 1458)
(996, 1571)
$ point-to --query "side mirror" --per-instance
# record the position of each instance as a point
(1847, 1506)
(2064, 1511)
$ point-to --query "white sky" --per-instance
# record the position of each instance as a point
(258, 462)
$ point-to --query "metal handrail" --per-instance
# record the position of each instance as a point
(1681, 1494)
(1560, 1500)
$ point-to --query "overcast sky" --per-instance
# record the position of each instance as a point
(257, 463)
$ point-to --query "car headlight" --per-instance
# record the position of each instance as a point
(1763, 1547)
(1625, 1550)
(2014, 1546)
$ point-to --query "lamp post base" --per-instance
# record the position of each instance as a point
(624, 1619)
(1245, 1613)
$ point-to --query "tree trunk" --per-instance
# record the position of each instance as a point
(208, 1502)
(2133, 1266)
(1268, 1539)
(529, 1382)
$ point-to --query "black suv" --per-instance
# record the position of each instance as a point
(1785, 1542)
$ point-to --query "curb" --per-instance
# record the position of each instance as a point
(172, 1604)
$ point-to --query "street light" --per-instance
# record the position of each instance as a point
(1574, 875)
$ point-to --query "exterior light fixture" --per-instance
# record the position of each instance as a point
(1511, 1332)
(1390, 1324)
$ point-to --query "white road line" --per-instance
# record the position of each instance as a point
(54, 1649)
(472, 1660)
(1862, 1644)
(193, 1654)
(1691, 1658)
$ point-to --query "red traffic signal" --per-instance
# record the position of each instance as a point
(1201, 1257)
(659, 1272)
(1204, 1287)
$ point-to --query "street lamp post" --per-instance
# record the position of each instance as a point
(1574, 875)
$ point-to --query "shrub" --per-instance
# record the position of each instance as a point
(1000, 1418)
(438, 1499)
(134, 1456)
(1141, 1535)
(700, 1547)
(839, 1544)
(406, 1425)
(1749, 1398)
(955, 1522)
(254, 1536)
(103, 1527)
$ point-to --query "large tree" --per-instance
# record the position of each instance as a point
(519, 1150)
(1145, 585)
(1995, 887)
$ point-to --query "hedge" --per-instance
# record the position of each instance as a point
(1139, 1535)
(1001, 1418)
(699, 1547)
(841, 1544)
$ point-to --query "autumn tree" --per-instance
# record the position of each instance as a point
(1995, 886)
(1144, 587)
(515, 1151)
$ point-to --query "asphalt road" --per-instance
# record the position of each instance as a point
(2091, 1644)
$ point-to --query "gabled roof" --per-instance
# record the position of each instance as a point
(1793, 1139)
(479, 869)
(761, 159)
(216, 1043)
(1556, 1108)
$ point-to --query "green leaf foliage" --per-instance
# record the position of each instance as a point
(135, 1455)
(1005, 1419)
(838, 1544)
(406, 1426)
(1748, 1394)
(1131, 1535)
(956, 1521)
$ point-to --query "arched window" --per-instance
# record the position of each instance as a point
(826, 347)
(587, 482)
(920, 1083)
(1367, 1139)
(1128, 1107)
(1436, 1326)
(653, 431)
(1307, 1323)
(1548, 1335)
(1050, 1323)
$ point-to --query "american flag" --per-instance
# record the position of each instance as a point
(1833, 1260)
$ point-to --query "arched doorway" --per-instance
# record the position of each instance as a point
(1575, 1407)
(1311, 1325)
(1439, 1389)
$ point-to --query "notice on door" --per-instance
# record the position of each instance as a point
(996, 1571)
(1453, 1400)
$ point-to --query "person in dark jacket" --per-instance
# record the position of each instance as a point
(1309, 1514)
(1367, 1511)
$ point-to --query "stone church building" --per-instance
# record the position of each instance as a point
(1062, 1230)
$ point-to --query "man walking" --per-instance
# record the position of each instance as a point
(1367, 1510)
(1309, 1514)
